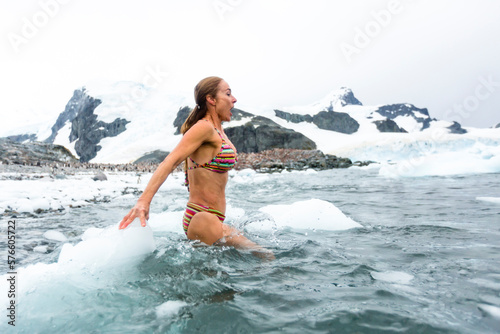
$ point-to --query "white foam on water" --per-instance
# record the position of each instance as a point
(485, 283)
(397, 277)
(233, 213)
(170, 308)
(55, 235)
(167, 221)
(495, 200)
(314, 214)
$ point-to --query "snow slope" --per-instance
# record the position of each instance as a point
(432, 151)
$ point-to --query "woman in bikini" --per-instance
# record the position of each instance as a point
(209, 155)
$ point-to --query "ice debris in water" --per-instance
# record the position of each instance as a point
(314, 214)
(169, 308)
(102, 253)
(489, 199)
(397, 277)
(110, 247)
(55, 235)
(490, 310)
(40, 249)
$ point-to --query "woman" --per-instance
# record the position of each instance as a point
(209, 155)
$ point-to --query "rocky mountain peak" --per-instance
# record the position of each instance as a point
(70, 112)
(340, 98)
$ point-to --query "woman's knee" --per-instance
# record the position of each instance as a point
(205, 227)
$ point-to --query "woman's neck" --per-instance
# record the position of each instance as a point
(214, 118)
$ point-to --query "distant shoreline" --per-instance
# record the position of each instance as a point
(266, 162)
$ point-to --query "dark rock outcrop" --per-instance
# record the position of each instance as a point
(498, 126)
(184, 112)
(388, 126)
(182, 115)
(239, 114)
(33, 153)
(258, 134)
(456, 128)
(70, 112)
(294, 118)
(288, 159)
(336, 121)
(256, 138)
(88, 131)
(154, 157)
(391, 111)
(100, 176)
(327, 120)
(261, 133)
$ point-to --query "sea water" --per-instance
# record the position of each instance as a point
(356, 252)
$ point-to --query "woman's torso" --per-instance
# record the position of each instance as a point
(207, 171)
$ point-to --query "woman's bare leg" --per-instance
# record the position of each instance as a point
(233, 237)
(208, 229)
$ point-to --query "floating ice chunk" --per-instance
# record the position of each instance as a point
(248, 176)
(494, 311)
(40, 249)
(310, 214)
(169, 308)
(40, 203)
(489, 199)
(55, 235)
(91, 233)
(110, 247)
(23, 205)
(397, 277)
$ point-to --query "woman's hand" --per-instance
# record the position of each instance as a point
(140, 210)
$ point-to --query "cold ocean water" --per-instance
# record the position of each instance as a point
(356, 252)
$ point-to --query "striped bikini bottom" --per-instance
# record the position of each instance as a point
(193, 209)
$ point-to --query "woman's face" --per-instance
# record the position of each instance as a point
(224, 101)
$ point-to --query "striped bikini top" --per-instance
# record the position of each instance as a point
(223, 162)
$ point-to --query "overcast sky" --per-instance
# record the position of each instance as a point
(442, 55)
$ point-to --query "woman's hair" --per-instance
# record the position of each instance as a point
(206, 87)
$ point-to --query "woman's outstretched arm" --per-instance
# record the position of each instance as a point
(189, 143)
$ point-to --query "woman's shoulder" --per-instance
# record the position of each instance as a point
(202, 126)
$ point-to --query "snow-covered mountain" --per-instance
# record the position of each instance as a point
(123, 121)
